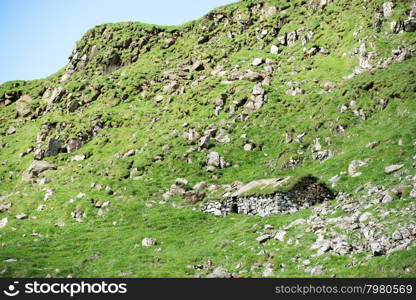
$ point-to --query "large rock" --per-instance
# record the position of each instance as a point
(387, 9)
(54, 147)
(214, 160)
(22, 216)
(260, 183)
(55, 95)
(192, 197)
(219, 273)
(322, 155)
(257, 90)
(36, 168)
(295, 91)
(11, 130)
(409, 25)
(5, 207)
(22, 106)
(280, 235)
(148, 242)
(305, 193)
(274, 49)
(392, 168)
(316, 4)
(73, 145)
(413, 10)
(257, 61)
(263, 238)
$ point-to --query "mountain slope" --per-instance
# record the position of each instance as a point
(113, 148)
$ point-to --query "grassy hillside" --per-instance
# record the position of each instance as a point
(139, 106)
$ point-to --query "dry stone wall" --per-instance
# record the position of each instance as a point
(305, 193)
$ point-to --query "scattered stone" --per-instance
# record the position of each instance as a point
(258, 90)
(73, 145)
(22, 216)
(60, 224)
(78, 158)
(214, 160)
(57, 95)
(315, 270)
(295, 91)
(304, 194)
(377, 248)
(80, 195)
(78, 214)
(41, 207)
(409, 25)
(364, 217)
(313, 51)
(203, 39)
(159, 98)
(182, 182)
(329, 85)
(274, 49)
(11, 130)
(219, 272)
(268, 227)
(3, 222)
(22, 106)
(387, 8)
(334, 180)
(36, 168)
(322, 245)
(129, 153)
(263, 238)
(200, 186)
(268, 272)
(280, 235)
(257, 61)
(373, 145)
(248, 147)
(5, 207)
(321, 156)
(148, 242)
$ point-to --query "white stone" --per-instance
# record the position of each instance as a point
(3, 222)
(274, 49)
(268, 272)
(392, 168)
(257, 61)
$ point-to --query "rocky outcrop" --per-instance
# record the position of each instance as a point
(36, 168)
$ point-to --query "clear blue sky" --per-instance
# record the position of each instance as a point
(37, 36)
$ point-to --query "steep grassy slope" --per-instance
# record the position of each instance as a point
(160, 90)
